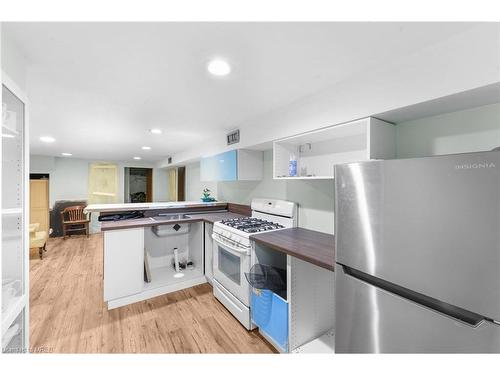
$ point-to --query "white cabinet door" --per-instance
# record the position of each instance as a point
(209, 271)
(123, 262)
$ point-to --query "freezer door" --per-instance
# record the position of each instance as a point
(431, 225)
(372, 320)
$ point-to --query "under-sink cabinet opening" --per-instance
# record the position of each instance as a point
(173, 253)
(145, 262)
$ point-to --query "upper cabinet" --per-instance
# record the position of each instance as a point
(234, 165)
(312, 155)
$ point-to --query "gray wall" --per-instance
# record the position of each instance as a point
(315, 197)
(69, 177)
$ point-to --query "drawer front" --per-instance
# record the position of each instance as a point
(235, 307)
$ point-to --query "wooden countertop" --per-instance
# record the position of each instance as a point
(209, 217)
(314, 247)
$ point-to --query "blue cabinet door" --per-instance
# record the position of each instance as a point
(227, 166)
(208, 171)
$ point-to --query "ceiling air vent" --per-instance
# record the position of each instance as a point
(233, 137)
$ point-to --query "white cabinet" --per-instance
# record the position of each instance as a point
(15, 219)
(123, 262)
(209, 270)
(318, 151)
(234, 165)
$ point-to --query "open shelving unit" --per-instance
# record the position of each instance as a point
(310, 309)
(318, 151)
(14, 218)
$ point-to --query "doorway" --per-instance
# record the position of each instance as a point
(138, 185)
(39, 201)
(177, 184)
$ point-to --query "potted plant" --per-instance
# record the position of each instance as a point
(206, 196)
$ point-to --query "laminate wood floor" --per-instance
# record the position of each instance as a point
(68, 315)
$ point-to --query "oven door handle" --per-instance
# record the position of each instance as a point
(229, 245)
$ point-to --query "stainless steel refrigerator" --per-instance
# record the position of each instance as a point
(418, 255)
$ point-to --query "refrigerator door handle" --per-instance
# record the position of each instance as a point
(452, 311)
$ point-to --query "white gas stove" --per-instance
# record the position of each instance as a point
(232, 251)
(267, 215)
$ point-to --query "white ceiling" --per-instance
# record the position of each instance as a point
(98, 87)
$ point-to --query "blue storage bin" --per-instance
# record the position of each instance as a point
(270, 314)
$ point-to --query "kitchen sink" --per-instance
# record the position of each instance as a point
(167, 217)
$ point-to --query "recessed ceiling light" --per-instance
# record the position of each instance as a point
(47, 139)
(137, 158)
(66, 154)
(155, 131)
(146, 148)
(219, 67)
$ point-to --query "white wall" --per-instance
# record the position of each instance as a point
(69, 177)
(476, 129)
(194, 187)
(463, 62)
(13, 62)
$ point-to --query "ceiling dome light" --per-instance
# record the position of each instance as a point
(219, 67)
(146, 148)
(155, 131)
(47, 139)
(66, 154)
(137, 158)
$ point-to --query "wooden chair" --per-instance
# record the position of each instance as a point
(74, 219)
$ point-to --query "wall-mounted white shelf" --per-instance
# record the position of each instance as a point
(12, 211)
(318, 151)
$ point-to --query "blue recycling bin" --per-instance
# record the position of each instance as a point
(270, 314)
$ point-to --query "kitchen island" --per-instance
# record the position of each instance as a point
(141, 254)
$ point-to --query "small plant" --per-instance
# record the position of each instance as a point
(206, 196)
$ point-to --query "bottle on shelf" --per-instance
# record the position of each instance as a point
(292, 166)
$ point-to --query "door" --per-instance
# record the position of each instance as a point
(39, 203)
(370, 319)
(181, 184)
(149, 185)
(230, 265)
(172, 185)
(227, 166)
(426, 224)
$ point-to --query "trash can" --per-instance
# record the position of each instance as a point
(268, 304)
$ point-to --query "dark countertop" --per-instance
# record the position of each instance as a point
(314, 247)
(209, 217)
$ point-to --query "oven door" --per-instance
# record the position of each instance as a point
(230, 264)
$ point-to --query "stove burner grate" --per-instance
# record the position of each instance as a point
(251, 224)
